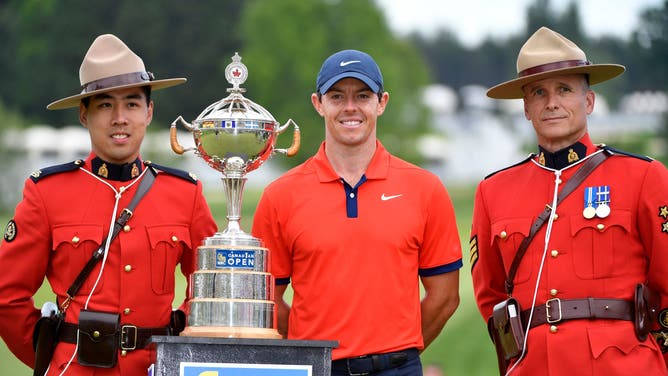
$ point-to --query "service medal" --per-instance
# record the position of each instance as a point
(603, 210)
(589, 212)
(602, 200)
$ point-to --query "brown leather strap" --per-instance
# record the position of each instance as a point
(572, 183)
(553, 66)
(557, 310)
(130, 337)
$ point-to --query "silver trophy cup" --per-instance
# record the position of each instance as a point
(232, 291)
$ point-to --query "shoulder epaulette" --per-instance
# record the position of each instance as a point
(527, 159)
(614, 151)
(65, 167)
(189, 176)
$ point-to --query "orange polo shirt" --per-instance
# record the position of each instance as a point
(354, 254)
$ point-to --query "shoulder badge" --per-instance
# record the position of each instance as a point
(614, 151)
(10, 231)
(65, 167)
(527, 159)
(188, 176)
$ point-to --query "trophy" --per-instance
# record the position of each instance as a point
(232, 291)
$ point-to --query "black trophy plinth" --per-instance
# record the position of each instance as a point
(192, 356)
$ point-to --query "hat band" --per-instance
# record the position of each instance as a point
(115, 81)
(553, 66)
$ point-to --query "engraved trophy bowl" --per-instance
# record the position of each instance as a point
(232, 291)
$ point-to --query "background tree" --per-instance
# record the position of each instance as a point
(540, 13)
(45, 41)
(650, 44)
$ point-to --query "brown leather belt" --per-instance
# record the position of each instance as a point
(130, 337)
(557, 310)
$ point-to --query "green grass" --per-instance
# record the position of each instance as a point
(462, 349)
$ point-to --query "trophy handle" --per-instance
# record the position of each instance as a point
(296, 139)
(176, 146)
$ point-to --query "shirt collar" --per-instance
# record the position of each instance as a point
(377, 169)
(112, 171)
(566, 156)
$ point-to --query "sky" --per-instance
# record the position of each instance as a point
(473, 20)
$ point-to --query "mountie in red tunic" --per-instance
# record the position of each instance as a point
(64, 216)
(579, 253)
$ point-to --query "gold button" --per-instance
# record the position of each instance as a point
(503, 234)
(128, 268)
(174, 238)
(127, 228)
(96, 334)
(126, 311)
(600, 226)
(124, 353)
(553, 292)
(554, 253)
(558, 181)
(553, 329)
(75, 239)
(556, 216)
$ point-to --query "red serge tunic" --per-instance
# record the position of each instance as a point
(354, 255)
(601, 257)
(62, 219)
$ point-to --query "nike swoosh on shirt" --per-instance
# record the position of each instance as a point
(344, 63)
(385, 198)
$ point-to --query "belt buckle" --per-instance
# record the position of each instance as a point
(548, 304)
(351, 373)
(127, 332)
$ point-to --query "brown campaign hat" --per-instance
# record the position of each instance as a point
(547, 53)
(110, 65)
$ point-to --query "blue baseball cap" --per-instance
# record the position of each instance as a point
(349, 63)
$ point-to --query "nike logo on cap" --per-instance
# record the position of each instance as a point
(344, 63)
(385, 198)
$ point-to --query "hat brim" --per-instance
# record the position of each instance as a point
(597, 73)
(351, 74)
(74, 100)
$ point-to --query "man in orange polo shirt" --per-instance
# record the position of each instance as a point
(355, 230)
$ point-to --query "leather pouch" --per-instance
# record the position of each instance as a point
(646, 307)
(177, 322)
(506, 329)
(98, 339)
(45, 337)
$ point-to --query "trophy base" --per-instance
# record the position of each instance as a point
(230, 332)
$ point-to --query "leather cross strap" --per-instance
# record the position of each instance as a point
(124, 217)
(556, 310)
(587, 167)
